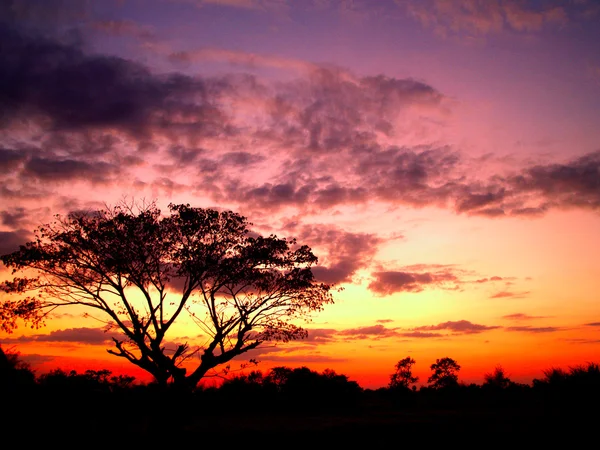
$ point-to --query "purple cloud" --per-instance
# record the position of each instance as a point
(507, 294)
(460, 326)
(521, 316)
(390, 282)
(92, 336)
(534, 330)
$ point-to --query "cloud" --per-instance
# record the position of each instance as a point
(48, 82)
(345, 252)
(535, 330)
(244, 4)
(460, 326)
(48, 14)
(479, 18)
(91, 336)
(390, 282)
(582, 341)
(592, 324)
(123, 28)
(238, 58)
(302, 358)
(240, 158)
(572, 184)
(370, 332)
(11, 240)
(10, 159)
(421, 335)
(14, 218)
(320, 335)
(327, 139)
(534, 190)
(50, 170)
(521, 316)
(490, 279)
(380, 331)
(507, 294)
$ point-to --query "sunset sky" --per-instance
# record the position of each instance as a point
(440, 157)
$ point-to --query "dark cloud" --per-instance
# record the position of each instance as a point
(572, 184)
(390, 282)
(68, 169)
(335, 194)
(123, 28)
(534, 330)
(345, 252)
(324, 136)
(371, 332)
(460, 326)
(92, 336)
(46, 80)
(332, 109)
(421, 335)
(10, 159)
(522, 316)
(241, 158)
(268, 196)
(477, 19)
(301, 358)
(11, 240)
(300, 194)
(535, 190)
(15, 217)
(583, 341)
(470, 201)
(81, 144)
(47, 14)
(592, 324)
(420, 176)
(184, 156)
(320, 335)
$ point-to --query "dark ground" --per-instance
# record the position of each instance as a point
(78, 428)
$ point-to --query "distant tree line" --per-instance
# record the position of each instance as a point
(301, 389)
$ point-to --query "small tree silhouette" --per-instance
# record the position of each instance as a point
(403, 377)
(497, 379)
(444, 373)
(13, 371)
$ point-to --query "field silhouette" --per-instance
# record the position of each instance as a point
(287, 407)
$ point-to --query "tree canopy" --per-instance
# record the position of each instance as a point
(444, 373)
(403, 376)
(139, 271)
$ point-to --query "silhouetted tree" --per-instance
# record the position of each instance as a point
(497, 379)
(556, 376)
(445, 373)
(578, 386)
(403, 377)
(140, 271)
(586, 374)
(302, 388)
(279, 376)
(14, 372)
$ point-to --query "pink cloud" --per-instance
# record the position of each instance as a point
(476, 17)
(460, 326)
(390, 282)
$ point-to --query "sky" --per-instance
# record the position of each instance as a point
(440, 157)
